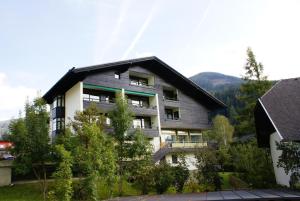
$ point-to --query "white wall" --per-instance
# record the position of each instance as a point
(155, 142)
(281, 177)
(73, 101)
(190, 160)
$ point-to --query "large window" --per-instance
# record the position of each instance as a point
(59, 101)
(196, 137)
(138, 101)
(58, 124)
(98, 96)
(172, 113)
(141, 122)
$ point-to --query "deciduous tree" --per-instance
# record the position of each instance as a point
(30, 136)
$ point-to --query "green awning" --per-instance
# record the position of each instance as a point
(92, 86)
(139, 93)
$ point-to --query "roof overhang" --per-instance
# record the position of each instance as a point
(153, 64)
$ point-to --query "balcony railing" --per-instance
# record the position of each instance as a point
(99, 100)
(168, 98)
(185, 144)
(141, 85)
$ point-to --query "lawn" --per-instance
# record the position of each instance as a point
(32, 192)
(21, 192)
(225, 180)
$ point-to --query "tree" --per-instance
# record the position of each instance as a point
(121, 120)
(94, 152)
(63, 190)
(140, 165)
(254, 164)
(255, 85)
(289, 160)
(207, 168)
(30, 136)
(222, 130)
(163, 177)
(224, 157)
(180, 173)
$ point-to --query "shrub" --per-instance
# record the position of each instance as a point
(163, 177)
(181, 175)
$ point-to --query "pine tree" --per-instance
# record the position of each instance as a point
(255, 85)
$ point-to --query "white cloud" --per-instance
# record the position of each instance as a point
(12, 99)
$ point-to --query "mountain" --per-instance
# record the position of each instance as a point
(216, 82)
(223, 87)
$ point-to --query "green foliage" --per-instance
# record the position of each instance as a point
(289, 160)
(63, 190)
(255, 85)
(207, 165)
(121, 119)
(130, 147)
(30, 136)
(224, 157)
(143, 178)
(94, 152)
(163, 177)
(222, 130)
(236, 183)
(254, 164)
(181, 174)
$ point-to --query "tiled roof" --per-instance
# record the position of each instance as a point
(282, 104)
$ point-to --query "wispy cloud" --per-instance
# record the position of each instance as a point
(197, 29)
(141, 30)
(12, 99)
(117, 30)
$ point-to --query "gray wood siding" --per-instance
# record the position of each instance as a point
(193, 115)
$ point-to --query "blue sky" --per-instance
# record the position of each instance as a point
(41, 40)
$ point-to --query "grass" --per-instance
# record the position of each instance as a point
(21, 192)
(32, 192)
(225, 180)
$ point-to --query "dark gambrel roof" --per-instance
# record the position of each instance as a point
(151, 63)
(279, 108)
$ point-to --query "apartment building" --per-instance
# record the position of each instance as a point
(170, 109)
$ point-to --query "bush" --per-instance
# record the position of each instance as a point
(144, 178)
(163, 177)
(181, 175)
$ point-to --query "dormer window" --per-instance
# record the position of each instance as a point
(139, 81)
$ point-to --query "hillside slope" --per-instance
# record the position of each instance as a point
(216, 82)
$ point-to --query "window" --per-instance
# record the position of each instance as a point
(58, 124)
(170, 94)
(117, 75)
(174, 159)
(98, 96)
(172, 114)
(58, 101)
(141, 122)
(195, 138)
(139, 81)
(138, 101)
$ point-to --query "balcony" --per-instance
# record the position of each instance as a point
(187, 144)
(105, 106)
